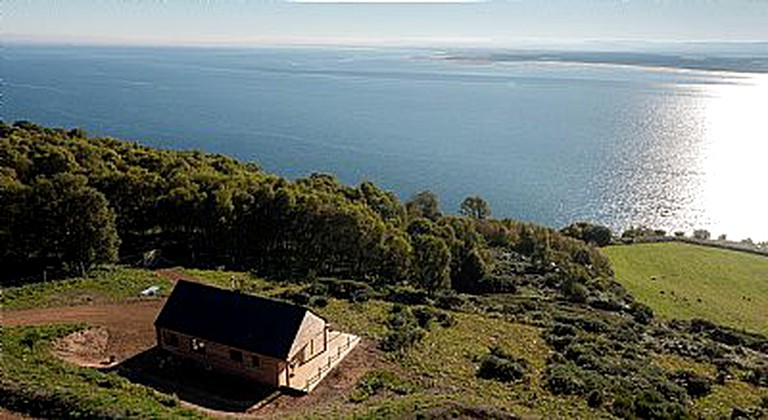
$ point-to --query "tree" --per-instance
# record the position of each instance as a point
(76, 221)
(432, 263)
(424, 204)
(589, 233)
(475, 207)
(701, 234)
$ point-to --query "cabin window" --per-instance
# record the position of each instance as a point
(235, 355)
(255, 361)
(198, 346)
(171, 339)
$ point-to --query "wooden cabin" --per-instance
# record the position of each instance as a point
(258, 338)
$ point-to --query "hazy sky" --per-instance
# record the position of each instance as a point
(491, 22)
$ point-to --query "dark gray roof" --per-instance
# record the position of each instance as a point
(238, 320)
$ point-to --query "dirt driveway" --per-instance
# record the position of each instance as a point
(129, 325)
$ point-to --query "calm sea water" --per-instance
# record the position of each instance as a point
(550, 143)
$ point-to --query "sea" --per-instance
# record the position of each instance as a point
(542, 140)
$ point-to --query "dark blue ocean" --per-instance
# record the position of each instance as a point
(545, 142)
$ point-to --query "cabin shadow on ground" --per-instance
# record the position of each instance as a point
(193, 383)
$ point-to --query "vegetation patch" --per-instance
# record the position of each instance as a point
(378, 381)
(34, 382)
(682, 281)
(501, 366)
(405, 329)
(106, 284)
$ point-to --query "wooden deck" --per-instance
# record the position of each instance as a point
(307, 376)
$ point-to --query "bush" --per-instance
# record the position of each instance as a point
(641, 313)
(758, 376)
(345, 289)
(402, 339)
(595, 398)
(653, 405)
(318, 301)
(498, 365)
(404, 331)
(565, 379)
(590, 233)
(448, 299)
(497, 284)
(701, 234)
(574, 291)
(406, 295)
(606, 304)
(560, 330)
(445, 319)
(695, 385)
(379, 380)
(424, 316)
(296, 297)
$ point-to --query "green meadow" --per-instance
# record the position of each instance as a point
(689, 281)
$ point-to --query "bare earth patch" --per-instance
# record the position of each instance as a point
(85, 348)
(128, 326)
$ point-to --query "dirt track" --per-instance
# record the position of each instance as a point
(129, 324)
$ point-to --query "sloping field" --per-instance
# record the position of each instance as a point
(689, 281)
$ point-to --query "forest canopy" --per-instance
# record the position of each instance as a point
(69, 201)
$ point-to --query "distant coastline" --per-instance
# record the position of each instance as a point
(755, 63)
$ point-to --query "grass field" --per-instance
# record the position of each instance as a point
(105, 285)
(688, 281)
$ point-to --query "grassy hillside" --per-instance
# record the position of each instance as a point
(688, 281)
(437, 375)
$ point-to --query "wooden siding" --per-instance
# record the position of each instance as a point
(269, 370)
(311, 340)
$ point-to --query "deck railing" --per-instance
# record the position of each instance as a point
(331, 359)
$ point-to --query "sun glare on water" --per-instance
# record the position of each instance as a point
(734, 157)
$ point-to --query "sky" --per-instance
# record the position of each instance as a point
(363, 22)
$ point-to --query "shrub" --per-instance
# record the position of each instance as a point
(498, 365)
(402, 339)
(318, 301)
(297, 297)
(345, 289)
(653, 405)
(565, 379)
(379, 380)
(695, 385)
(497, 284)
(317, 288)
(595, 398)
(701, 234)
(404, 331)
(590, 233)
(758, 376)
(406, 295)
(424, 316)
(448, 299)
(445, 319)
(641, 313)
(606, 304)
(574, 291)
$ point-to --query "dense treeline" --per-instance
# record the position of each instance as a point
(69, 201)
